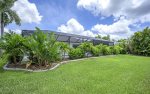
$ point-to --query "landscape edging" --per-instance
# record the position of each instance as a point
(63, 62)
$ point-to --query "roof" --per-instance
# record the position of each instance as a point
(73, 38)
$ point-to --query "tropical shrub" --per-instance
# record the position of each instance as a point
(95, 51)
(64, 48)
(126, 46)
(100, 48)
(106, 50)
(76, 53)
(141, 41)
(12, 44)
(116, 49)
(42, 48)
(86, 47)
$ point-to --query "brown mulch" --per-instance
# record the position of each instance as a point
(31, 67)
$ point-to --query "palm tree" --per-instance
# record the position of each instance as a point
(64, 48)
(7, 15)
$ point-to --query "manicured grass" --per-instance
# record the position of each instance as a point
(122, 74)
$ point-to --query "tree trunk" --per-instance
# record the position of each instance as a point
(2, 24)
(64, 55)
(14, 59)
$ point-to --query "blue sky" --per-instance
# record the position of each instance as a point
(84, 17)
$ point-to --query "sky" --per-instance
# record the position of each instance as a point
(118, 18)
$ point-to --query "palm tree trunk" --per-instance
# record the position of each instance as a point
(64, 55)
(14, 58)
(2, 24)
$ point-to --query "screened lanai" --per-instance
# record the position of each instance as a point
(72, 39)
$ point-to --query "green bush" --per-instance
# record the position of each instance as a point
(106, 50)
(95, 51)
(100, 48)
(64, 48)
(42, 48)
(141, 42)
(86, 47)
(76, 53)
(12, 44)
(124, 45)
(116, 49)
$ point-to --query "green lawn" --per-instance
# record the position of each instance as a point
(122, 74)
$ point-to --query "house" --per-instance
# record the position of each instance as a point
(72, 39)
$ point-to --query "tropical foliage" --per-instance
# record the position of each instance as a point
(7, 15)
(141, 42)
(42, 48)
(12, 44)
(76, 53)
(64, 48)
(86, 47)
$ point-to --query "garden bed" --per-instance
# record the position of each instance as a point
(32, 67)
(36, 68)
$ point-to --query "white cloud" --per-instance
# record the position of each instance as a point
(74, 27)
(126, 13)
(119, 27)
(17, 31)
(117, 30)
(134, 10)
(88, 33)
(27, 11)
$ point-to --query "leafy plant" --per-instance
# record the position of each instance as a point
(12, 44)
(86, 47)
(64, 47)
(140, 42)
(42, 48)
(7, 15)
(95, 51)
(116, 49)
(100, 48)
(76, 53)
(106, 50)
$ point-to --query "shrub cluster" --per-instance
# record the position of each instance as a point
(138, 44)
(43, 49)
(40, 48)
(87, 48)
(76, 53)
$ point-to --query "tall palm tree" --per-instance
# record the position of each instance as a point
(7, 15)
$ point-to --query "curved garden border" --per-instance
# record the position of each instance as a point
(63, 62)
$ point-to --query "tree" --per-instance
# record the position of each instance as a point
(106, 37)
(140, 42)
(7, 15)
(98, 36)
